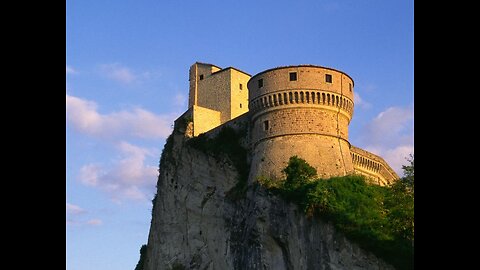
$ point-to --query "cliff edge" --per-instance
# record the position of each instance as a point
(202, 218)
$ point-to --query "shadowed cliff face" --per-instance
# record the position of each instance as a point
(196, 225)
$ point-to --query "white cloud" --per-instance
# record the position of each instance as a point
(180, 100)
(360, 102)
(83, 116)
(74, 219)
(391, 126)
(89, 174)
(94, 222)
(118, 73)
(127, 178)
(70, 70)
(397, 157)
(390, 135)
(74, 209)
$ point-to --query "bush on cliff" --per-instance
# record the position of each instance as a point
(379, 219)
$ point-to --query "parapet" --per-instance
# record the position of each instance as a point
(372, 166)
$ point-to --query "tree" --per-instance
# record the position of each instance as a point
(408, 172)
(400, 203)
(406, 184)
(298, 173)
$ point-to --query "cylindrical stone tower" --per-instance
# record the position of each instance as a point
(300, 110)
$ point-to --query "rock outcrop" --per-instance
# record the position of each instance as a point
(197, 224)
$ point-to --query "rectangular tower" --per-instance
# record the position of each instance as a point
(220, 94)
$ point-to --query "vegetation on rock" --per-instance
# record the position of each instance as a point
(379, 219)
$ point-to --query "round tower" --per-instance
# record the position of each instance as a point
(301, 110)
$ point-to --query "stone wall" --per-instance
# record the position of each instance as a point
(372, 166)
(308, 77)
(214, 92)
(303, 115)
(219, 90)
(239, 97)
(197, 70)
(295, 111)
(329, 156)
(205, 120)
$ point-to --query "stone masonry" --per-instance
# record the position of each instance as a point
(299, 110)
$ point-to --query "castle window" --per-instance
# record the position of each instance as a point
(328, 78)
(201, 77)
(265, 125)
(350, 87)
(260, 83)
(241, 87)
(240, 105)
(293, 76)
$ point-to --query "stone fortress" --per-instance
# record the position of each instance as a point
(301, 110)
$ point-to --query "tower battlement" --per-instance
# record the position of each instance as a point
(301, 110)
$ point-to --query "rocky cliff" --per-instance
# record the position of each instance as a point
(198, 224)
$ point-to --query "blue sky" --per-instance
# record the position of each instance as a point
(127, 80)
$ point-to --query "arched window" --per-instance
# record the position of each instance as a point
(296, 97)
(275, 100)
(285, 99)
(313, 97)
(307, 96)
(323, 98)
(270, 103)
(290, 97)
(280, 101)
(302, 98)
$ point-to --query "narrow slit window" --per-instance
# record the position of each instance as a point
(328, 78)
(241, 87)
(265, 125)
(240, 105)
(260, 83)
(293, 76)
(350, 87)
(201, 77)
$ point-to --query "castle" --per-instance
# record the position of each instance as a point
(301, 110)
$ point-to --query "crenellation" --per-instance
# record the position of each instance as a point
(299, 110)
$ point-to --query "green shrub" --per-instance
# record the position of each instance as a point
(379, 219)
(298, 173)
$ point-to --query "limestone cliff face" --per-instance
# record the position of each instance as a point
(195, 224)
